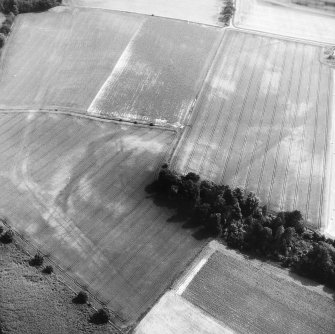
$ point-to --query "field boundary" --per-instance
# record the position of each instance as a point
(72, 283)
(190, 113)
(272, 35)
(78, 114)
(66, 4)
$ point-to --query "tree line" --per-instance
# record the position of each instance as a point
(227, 12)
(237, 217)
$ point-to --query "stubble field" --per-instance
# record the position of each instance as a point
(249, 296)
(75, 188)
(60, 58)
(262, 121)
(159, 74)
(264, 16)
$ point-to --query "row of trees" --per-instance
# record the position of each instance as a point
(236, 216)
(227, 11)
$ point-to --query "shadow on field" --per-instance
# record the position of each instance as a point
(181, 214)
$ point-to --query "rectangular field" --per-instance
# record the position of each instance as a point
(61, 58)
(265, 16)
(75, 188)
(201, 11)
(159, 74)
(249, 296)
(262, 121)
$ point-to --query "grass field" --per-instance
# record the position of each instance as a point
(265, 16)
(201, 11)
(75, 188)
(35, 303)
(61, 58)
(159, 74)
(250, 296)
(261, 122)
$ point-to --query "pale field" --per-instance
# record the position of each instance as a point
(201, 11)
(173, 314)
(264, 16)
(250, 296)
(159, 74)
(261, 122)
(61, 58)
(75, 188)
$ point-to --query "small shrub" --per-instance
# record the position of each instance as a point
(100, 317)
(7, 237)
(151, 124)
(1, 229)
(5, 29)
(37, 260)
(81, 298)
(48, 270)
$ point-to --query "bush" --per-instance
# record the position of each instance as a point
(1, 229)
(7, 237)
(2, 39)
(81, 298)
(5, 30)
(100, 317)
(37, 260)
(48, 270)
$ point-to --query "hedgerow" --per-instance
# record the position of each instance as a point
(236, 216)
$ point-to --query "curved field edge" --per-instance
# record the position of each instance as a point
(75, 189)
(199, 11)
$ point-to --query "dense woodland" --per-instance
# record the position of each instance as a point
(236, 216)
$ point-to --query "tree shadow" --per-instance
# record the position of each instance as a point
(202, 234)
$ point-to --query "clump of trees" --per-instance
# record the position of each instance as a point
(236, 216)
(227, 12)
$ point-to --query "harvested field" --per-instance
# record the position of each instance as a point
(75, 188)
(173, 314)
(159, 74)
(261, 122)
(201, 11)
(268, 17)
(250, 296)
(61, 58)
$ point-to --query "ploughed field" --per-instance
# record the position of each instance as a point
(75, 188)
(109, 64)
(201, 11)
(249, 296)
(262, 122)
(262, 15)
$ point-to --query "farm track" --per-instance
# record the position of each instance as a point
(251, 131)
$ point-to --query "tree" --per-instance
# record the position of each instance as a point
(100, 317)
(236, 235)
(251, 204)
(2, 39)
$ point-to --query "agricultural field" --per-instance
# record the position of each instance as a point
(75, 188)
(173, 314)
(201, 11)
(250, 296)
(61, 58)
(262, 122)
(159, 74)
(265, 16)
